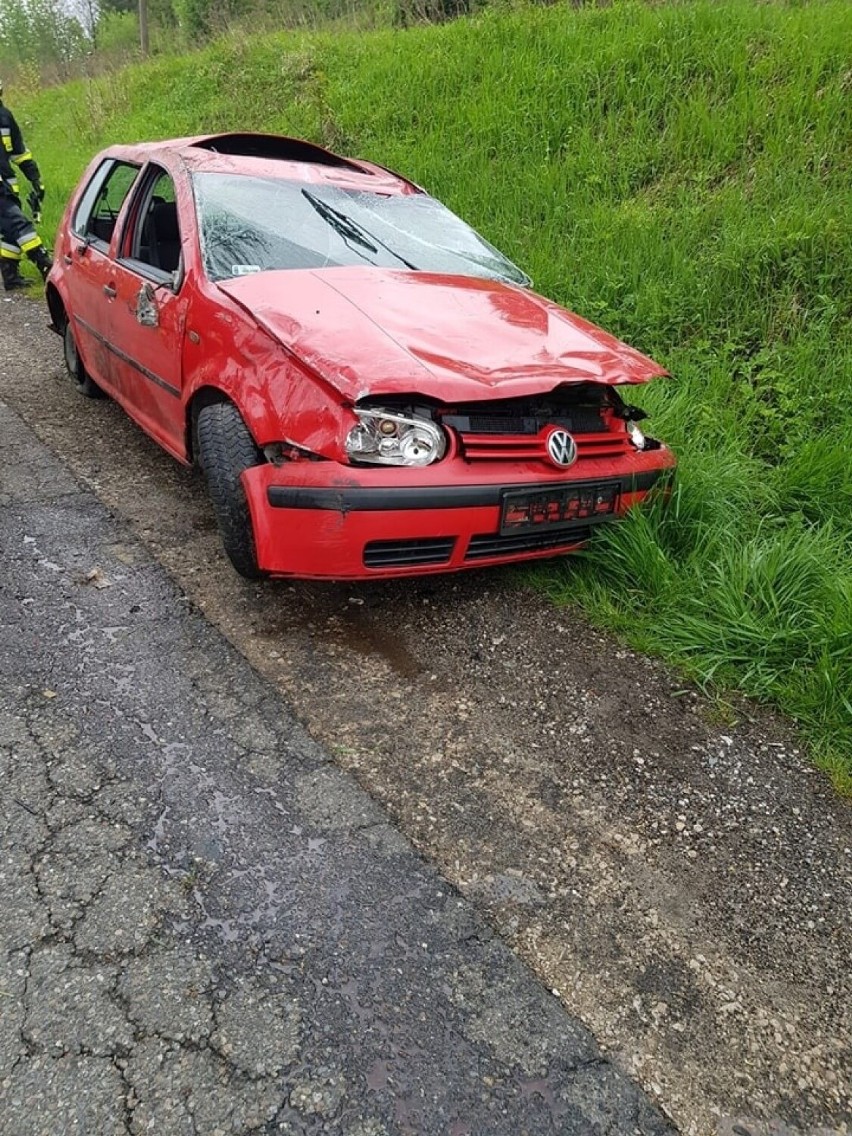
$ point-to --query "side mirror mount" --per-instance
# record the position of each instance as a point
(177, 277)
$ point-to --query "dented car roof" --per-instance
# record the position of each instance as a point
(268, 155)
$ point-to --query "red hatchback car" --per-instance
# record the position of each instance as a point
(369, 386)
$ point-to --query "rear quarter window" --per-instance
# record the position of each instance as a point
(102, 200)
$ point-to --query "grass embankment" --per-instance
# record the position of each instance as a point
(678, 174)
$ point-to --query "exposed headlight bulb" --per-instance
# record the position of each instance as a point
(416, 446)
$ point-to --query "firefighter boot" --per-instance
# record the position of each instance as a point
(12, 278)
(41, 260)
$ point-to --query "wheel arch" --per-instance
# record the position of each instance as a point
(205, 396)
(56, 307)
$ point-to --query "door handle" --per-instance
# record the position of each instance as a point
(68, 259)
(110, 291)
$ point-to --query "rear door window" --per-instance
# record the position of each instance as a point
(152, 240)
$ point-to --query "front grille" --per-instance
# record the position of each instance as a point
(408, 553)
(607, 445)
(486, 545)
(518, 447)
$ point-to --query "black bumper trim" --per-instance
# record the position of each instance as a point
(362, 499)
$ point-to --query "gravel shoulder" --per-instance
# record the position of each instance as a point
(683, 882)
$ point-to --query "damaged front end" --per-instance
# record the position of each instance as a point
(428, 487)
(599, 423)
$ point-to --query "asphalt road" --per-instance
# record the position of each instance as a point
(674, 870)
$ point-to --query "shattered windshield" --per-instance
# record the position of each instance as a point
(250, 224)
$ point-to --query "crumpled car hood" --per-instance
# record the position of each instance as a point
(453, 338)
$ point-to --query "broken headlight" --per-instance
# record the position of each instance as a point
(383, 437)
(635, 435)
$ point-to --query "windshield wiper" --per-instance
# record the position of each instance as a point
(344, 226)
(350, 230)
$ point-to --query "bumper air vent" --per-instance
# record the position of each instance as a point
(408, 553)
(486, 545)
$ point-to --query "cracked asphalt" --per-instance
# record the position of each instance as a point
(206, 926)
(668, 865)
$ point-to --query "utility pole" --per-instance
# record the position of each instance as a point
(143, 26)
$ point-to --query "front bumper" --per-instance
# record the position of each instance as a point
(323, 520)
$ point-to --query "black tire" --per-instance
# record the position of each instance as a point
(225, 450)
(81, 378)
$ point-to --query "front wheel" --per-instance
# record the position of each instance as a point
(84, 382)
(225, 450)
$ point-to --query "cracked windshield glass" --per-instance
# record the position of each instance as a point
(252, 225)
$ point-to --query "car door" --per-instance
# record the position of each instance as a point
(147, 311)
(88, 265)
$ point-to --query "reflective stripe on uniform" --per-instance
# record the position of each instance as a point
(7, 252)
(29, 241)
(25, 157)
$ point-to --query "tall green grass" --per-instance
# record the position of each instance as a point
(680, 174)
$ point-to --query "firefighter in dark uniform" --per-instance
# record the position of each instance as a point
(17, 235)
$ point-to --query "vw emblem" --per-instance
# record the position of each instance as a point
(561, 448)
